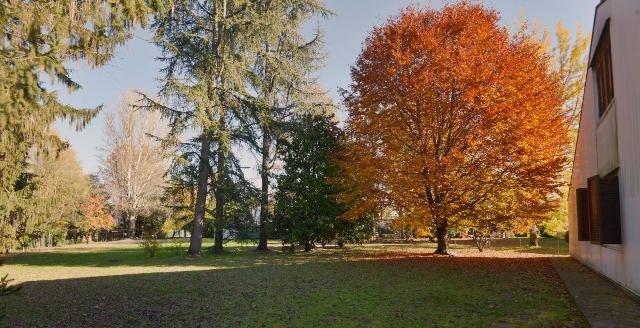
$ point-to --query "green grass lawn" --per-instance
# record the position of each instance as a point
(368, 286)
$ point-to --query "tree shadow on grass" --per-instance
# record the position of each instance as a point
(411, 290)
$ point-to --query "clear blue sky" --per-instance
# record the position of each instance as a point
(134, 66)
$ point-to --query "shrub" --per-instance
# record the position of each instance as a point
(5, 289)
(150, 242)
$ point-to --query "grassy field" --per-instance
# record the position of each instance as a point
(375, 285)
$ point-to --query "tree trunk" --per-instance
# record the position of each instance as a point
(307, 246)
(482, 241)
(219, 195)
(533, 236)
(264, 197)
(201, 198)
(442, 229)
(132, 226)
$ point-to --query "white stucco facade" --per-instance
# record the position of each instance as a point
(612, 142)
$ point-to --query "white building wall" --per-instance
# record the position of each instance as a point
(621, 263)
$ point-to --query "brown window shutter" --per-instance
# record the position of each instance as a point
(582, 202)
(611, 232)
(594, 210)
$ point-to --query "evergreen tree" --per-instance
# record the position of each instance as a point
(181, 190)
(242, 198)
(213, 51)
(280, 78)
(205, 48)
(307, 209)
(39, 40)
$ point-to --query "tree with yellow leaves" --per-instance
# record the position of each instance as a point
(569, 59)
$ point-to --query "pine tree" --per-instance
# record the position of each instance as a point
(280, 80)
(205, 48)
(213, 51)
(39, 40)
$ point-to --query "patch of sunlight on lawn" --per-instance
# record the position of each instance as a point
(118, 258)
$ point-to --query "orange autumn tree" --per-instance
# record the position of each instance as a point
(96, 215)
(449, 114)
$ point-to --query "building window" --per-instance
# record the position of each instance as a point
(604, 210)
(603, 68)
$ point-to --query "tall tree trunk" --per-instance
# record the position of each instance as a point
(533, 236)
(219, 195)
(442, 229)
(264, 196)
(201, 197)
(132, 226)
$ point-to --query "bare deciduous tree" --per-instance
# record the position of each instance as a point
(133, 164)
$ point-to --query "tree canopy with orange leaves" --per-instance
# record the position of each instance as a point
(453, 121)
(96, 215)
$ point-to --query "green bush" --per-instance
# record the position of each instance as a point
(150, 243)
(5, 289)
